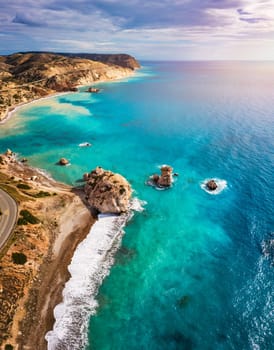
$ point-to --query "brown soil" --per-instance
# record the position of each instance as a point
(29, 292)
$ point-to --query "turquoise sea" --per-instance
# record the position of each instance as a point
(190, 273)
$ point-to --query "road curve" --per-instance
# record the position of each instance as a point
(9, 210)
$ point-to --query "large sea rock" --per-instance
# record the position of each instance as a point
(165, 179)
(107, 192)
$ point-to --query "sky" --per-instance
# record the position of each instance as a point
(163, 29)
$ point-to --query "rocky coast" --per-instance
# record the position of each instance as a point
(26, 77)
(53, 217)
(35, 259)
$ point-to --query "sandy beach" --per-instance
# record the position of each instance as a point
(14, 109)
(65, 220)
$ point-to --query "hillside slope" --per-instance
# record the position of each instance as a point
(28, 76)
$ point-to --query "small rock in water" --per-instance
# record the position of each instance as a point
(211, 185)
(63, 161)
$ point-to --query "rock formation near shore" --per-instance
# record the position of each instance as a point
(107, 192)
(164, 180)
(63, 161)
(211, 185)
(28, 76)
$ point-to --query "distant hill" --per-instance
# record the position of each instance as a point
(25, 76)
(122, 59)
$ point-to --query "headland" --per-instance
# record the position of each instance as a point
(29, 76)
(53, 220)
(53, 217)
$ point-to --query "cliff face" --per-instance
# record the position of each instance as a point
(26, 76)
(121, 60)
(107, 192)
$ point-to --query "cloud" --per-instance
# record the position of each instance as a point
(27, 20)
(252, 19)
(242, 12)
(145, 29)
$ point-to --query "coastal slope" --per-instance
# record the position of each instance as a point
(28, 76)
(52, 221)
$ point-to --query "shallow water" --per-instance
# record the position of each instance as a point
(190, 273)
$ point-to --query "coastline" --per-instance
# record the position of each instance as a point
(65, 220)
(45, 295)
(15, 108)
(33, 316)
(91, 263)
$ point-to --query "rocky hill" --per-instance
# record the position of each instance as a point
(28, 76)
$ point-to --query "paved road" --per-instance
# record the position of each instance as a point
(8, 218)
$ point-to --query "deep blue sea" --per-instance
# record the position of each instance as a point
(190, 273)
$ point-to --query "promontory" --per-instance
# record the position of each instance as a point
(31, 75)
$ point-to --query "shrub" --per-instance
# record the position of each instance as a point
(27, 218)
(41, 194)
(8, 347)
(23, 186)
(19, 258)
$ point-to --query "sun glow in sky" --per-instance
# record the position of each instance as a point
(166, 29)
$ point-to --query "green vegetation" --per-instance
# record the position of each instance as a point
(8, 347)
(27, 218)
(40, 194)
(23, 186)
(19, 258)
(12, 191)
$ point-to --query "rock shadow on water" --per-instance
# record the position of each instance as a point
(183, 301)
(177, 340)
(124, 255)
(103, 302)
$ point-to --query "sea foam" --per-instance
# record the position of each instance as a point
(90, 264)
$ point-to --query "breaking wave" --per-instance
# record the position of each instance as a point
(90, 264)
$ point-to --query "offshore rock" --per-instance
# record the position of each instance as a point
(107, 192)
(93, 89)
(165, 179)
(63, 161)
(211, 185)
